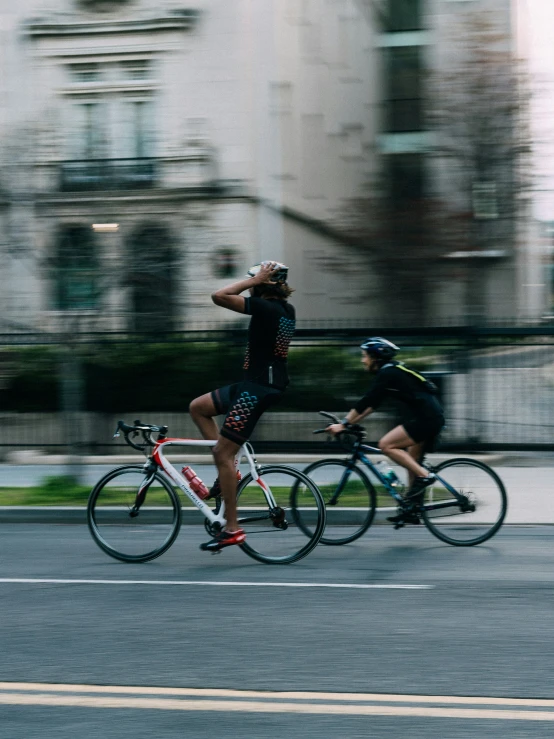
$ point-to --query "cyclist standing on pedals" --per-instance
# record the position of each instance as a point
(406, 443)
(265, 378)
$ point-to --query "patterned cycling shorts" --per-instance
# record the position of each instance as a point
(243, 403)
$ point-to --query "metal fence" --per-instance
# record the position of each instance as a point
(496, 383)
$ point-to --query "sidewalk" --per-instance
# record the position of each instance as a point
(528, 478)
(30, 457)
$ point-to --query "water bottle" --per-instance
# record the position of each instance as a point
(388, 473)
(196, 484)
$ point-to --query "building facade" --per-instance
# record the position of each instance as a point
(149, 154)
(454, 127)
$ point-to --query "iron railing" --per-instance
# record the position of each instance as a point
(496, 383)
(107, 174)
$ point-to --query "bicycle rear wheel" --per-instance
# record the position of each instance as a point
(479, 514)
(272, 534)
(134, 515)
(350, 501)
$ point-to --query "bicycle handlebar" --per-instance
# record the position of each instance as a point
(330, 416)
(353, 429)
(139, 428)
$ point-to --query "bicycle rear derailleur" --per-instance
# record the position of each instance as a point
(278, 518)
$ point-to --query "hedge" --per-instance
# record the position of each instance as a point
(166, 377)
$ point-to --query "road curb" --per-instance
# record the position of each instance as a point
(30, 460)
(190, 517)
(78, 515)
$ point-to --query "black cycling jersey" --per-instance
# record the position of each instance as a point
(269, 334)
(398, 382)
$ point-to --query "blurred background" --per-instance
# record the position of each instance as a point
(393, 153)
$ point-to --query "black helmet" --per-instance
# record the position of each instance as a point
(280, 276)
(379, 347)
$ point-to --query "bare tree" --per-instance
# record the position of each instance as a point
(476, 176)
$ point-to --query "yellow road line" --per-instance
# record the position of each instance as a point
(168, 704)
(12, 687)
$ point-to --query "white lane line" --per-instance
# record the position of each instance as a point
(276, 695)
(350, 586)
(83, 701)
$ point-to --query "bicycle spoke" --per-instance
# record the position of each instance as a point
(284, 541)
(474, 513)
(127, 532)
(349, 498)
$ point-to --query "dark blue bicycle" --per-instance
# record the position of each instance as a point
(466, 506)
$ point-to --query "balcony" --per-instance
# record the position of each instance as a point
(108, 174)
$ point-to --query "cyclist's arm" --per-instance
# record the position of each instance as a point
(230, 296)
(351, 417)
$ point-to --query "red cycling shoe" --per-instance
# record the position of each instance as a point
(224, 539)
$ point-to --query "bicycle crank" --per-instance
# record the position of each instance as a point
(278, 518)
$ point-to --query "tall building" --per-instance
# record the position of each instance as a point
(451, 131)
(150, 153)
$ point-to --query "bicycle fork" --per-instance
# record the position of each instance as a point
(141, 495)
(334, 499)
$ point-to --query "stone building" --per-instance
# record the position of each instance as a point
(150, 153)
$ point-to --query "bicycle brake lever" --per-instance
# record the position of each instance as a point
(331, 416)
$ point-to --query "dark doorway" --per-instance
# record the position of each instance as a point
(151, 277)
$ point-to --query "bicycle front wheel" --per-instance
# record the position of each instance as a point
(350, 501)
(272, 533)
(480, 512)
(133, 515)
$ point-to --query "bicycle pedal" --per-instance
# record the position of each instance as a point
(399, 525)
(216, 551)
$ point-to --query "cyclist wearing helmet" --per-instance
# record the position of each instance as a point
(423, 421)
(265, 377)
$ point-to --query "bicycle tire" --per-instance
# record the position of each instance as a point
(484, 490)
(273, 537)
(133, 538)
(327, 474)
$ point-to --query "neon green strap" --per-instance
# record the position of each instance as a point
(412, 372)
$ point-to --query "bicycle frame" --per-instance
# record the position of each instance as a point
(358, 454)
(176, 477)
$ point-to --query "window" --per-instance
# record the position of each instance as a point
(110, 144)
(136, 69)
(136, 129)
(405, 177)
(76, 269)
(88, 137)
(226, 262)
(151, 279)
(484, 200)
(85, 72)
(403, 103)
(404, 15)
(108, 122)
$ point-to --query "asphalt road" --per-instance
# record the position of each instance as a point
(124, 649)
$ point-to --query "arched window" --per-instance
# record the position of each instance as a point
(76, 267)
(150, 276)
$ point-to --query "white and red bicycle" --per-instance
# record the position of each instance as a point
(134, 511)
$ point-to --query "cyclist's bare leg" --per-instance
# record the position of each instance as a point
(395, 445)
(224, 453)
(415, 451)
(202, 411)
